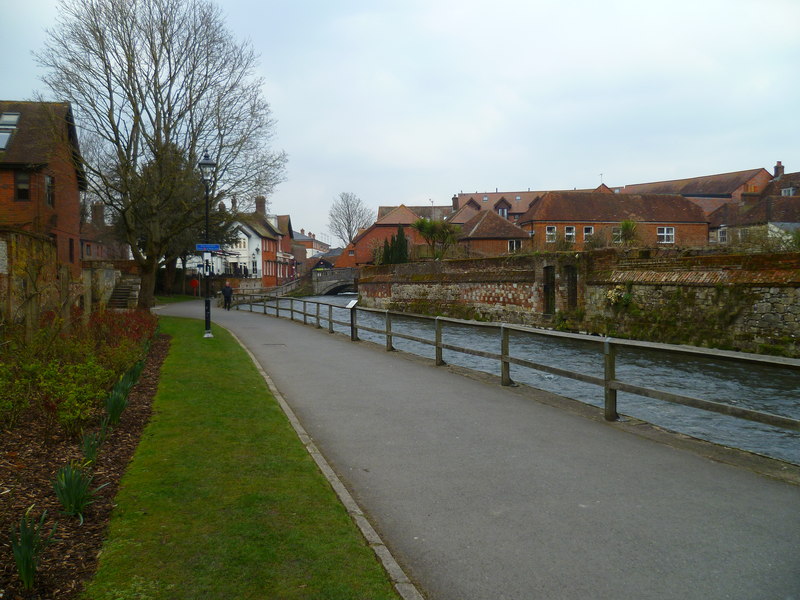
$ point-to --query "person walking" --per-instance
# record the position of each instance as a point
(227, 294)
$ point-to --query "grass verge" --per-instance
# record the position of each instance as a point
(222, 500)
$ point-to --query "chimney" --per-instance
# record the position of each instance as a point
(98, 214)
(312, 236)
(261, 205)
(455, 201)
(302, 231)
(778, 170)
(233, 205)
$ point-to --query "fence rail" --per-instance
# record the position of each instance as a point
(608, 346)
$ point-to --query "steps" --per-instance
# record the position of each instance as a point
(125, 294)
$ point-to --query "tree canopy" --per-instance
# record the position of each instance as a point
(348, 215)
(439, 235)
(154, 84)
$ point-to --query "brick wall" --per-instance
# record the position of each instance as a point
(746, 302)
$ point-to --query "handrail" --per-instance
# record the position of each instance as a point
(610, 383)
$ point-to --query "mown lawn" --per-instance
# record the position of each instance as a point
(222, 501)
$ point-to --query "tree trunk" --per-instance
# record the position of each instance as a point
(147, 292)
(169, 275)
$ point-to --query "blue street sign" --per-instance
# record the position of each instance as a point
(207, 247)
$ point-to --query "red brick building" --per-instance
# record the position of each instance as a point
(40, 175)
(361, 251)
(579, 219)
(489, 234)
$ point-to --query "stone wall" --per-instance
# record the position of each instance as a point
(745, 302)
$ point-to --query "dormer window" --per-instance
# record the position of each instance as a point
(9, 119)
(788, 191)
(486, 198)
(503, 212)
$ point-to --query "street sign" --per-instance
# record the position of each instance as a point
(207, 247)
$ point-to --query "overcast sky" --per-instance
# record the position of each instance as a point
(411, 101)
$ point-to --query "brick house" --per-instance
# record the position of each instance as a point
(362, 249)
(309, 241)
(582, 219)
(97, 239)
(489, 234)
(708, 191)
(41, 176)
(509, 205)
(272, 240)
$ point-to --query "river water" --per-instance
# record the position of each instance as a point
(763, 388)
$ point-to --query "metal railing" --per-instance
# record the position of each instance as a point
(608, 346)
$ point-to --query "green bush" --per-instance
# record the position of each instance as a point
(27, 544)
(75, 391)
(116, 403)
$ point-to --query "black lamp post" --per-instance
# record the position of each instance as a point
(207, 167)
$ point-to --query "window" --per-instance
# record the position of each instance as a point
(788, 191)
(22, 186)
(666, 235)
(351, 253)
(514, 245)
(550, 234)
(569, 233)
(5, 135)
(9, 119)
(518, 198)
(588, 232)
(722, 236)
(486, 198)
(88, 249)
(503, 212)
(50, 190)
(616, 235)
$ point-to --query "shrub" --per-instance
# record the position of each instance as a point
(71, 486)
(74, 391)
(27, 544)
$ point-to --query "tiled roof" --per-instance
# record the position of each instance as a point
(399, 215)
(518, 202)
(789, 180)
(707, 185)
(772, 209)
(462, 215)
(258, 223)
(40, 127)
(601, 207)
(434, 213)
(488, 225)
(285, 225)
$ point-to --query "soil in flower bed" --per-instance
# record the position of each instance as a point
(30, 455)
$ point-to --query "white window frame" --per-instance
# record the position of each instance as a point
(788, 191)
(550, 234)
(665, 235)
(722, 235)
(503, 212)
(616, 235)
(569, 233)
(588, 232)
(514, 245)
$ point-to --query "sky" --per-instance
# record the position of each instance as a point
(412, 101)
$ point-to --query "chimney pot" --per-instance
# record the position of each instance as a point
(778, 170)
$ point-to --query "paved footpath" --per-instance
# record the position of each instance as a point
(484, 493)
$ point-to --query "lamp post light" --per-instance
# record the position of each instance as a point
(255, 264)
(207, 167)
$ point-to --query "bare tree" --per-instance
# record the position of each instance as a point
(154, 84)
(348, 215)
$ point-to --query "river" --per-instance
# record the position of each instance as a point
(763, 388)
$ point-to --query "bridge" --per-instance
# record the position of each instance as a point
(334, 281)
